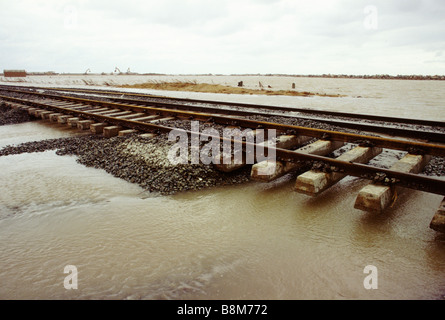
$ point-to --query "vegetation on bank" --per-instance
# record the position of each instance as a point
(217, 88)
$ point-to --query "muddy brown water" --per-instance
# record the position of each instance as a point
(251, 241)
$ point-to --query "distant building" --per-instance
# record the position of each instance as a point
(14, 73)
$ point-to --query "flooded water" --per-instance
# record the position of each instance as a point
(422, 99)
(253, 241)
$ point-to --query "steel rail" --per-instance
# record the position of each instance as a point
(431, 123)
(413, 147)
(407, 180)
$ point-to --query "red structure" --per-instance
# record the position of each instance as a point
(14, 73)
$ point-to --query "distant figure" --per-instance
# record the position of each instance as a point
(261, 85)
(240, 84)
(293, 85)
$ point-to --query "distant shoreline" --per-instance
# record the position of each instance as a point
(332, 76)
(377, 76)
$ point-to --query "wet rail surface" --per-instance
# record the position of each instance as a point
(295, 148)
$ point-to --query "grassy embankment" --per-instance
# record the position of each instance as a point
(217, 88)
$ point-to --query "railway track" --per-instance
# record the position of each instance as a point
(425, 129)
(296, 148)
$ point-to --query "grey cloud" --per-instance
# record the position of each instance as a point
(168, 12)
(245, 35)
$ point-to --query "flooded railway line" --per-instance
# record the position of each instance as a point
(307, 150)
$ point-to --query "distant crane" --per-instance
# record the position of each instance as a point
(88, 70)
(116, 69)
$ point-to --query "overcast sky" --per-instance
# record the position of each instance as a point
(224, 37)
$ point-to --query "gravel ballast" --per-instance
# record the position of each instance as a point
(9, 115)
(137, 160)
